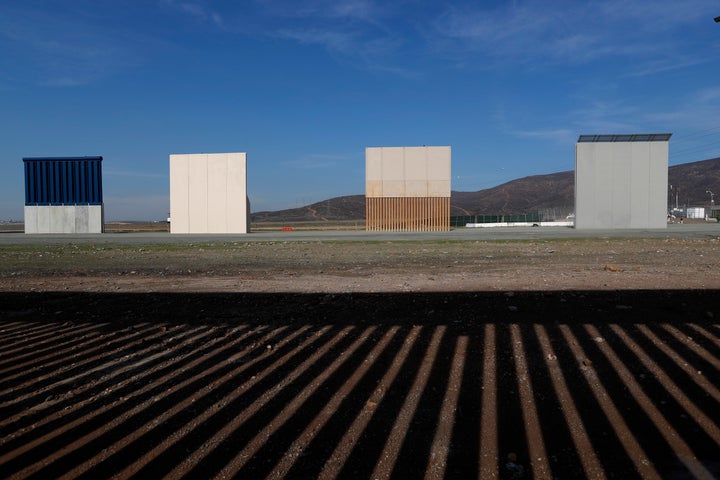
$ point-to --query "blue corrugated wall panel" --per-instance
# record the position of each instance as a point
(63, 181)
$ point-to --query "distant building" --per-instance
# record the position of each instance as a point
(621, 181)
(695, 212)
(407, 188)
(208, 193)
(63, 195)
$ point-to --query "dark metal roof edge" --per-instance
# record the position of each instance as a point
(624, 137)
(60, 159)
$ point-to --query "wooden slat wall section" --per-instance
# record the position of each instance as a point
(402, 214)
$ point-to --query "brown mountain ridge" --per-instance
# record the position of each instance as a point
(552, 195)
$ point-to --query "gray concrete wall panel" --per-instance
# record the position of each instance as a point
(82, 219)
(620, 185)
(96, 218)
(658, 188)
(31, 219)
(63, 219)
(43, 220)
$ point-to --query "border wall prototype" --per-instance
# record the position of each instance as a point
(208, 193)
(621, 181)
(407, 188)
(63, 195)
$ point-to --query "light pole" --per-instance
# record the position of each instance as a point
(712, 198)
(677, 193)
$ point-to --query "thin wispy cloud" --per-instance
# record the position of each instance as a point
(694, 111)
(361, 33)
(366, 11)
(335, 41)
(561, 135)
(708, 95)
(607, 116)
(568, 32)
(668, 64)
(197, 10)
(63, 50)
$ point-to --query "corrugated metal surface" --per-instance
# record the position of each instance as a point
(63, 181)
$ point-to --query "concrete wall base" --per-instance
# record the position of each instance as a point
(64, 219)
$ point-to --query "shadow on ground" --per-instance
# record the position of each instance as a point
(438, 385)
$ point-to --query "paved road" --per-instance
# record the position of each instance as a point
(689, 231)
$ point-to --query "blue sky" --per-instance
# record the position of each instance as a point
(304, 87)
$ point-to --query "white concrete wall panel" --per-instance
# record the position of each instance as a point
(374, 188)
(620, 184)
(247, 214)
(438, 188)
(393, 163)
(198, 194)
(179, 194)
(416, 188)
(393, 188)
(407, 172)
(438, 163)
(208, 193)
(217, 192)
(373, 164)
(238, 204)
(415, 165)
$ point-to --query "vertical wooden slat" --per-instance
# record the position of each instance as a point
(433, 215)
(407, 214)
(367, 213)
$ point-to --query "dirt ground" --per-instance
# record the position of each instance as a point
(579, 264)
(580, 358)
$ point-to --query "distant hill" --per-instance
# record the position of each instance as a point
(552, 195)
(693, 180)
(351, 207)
